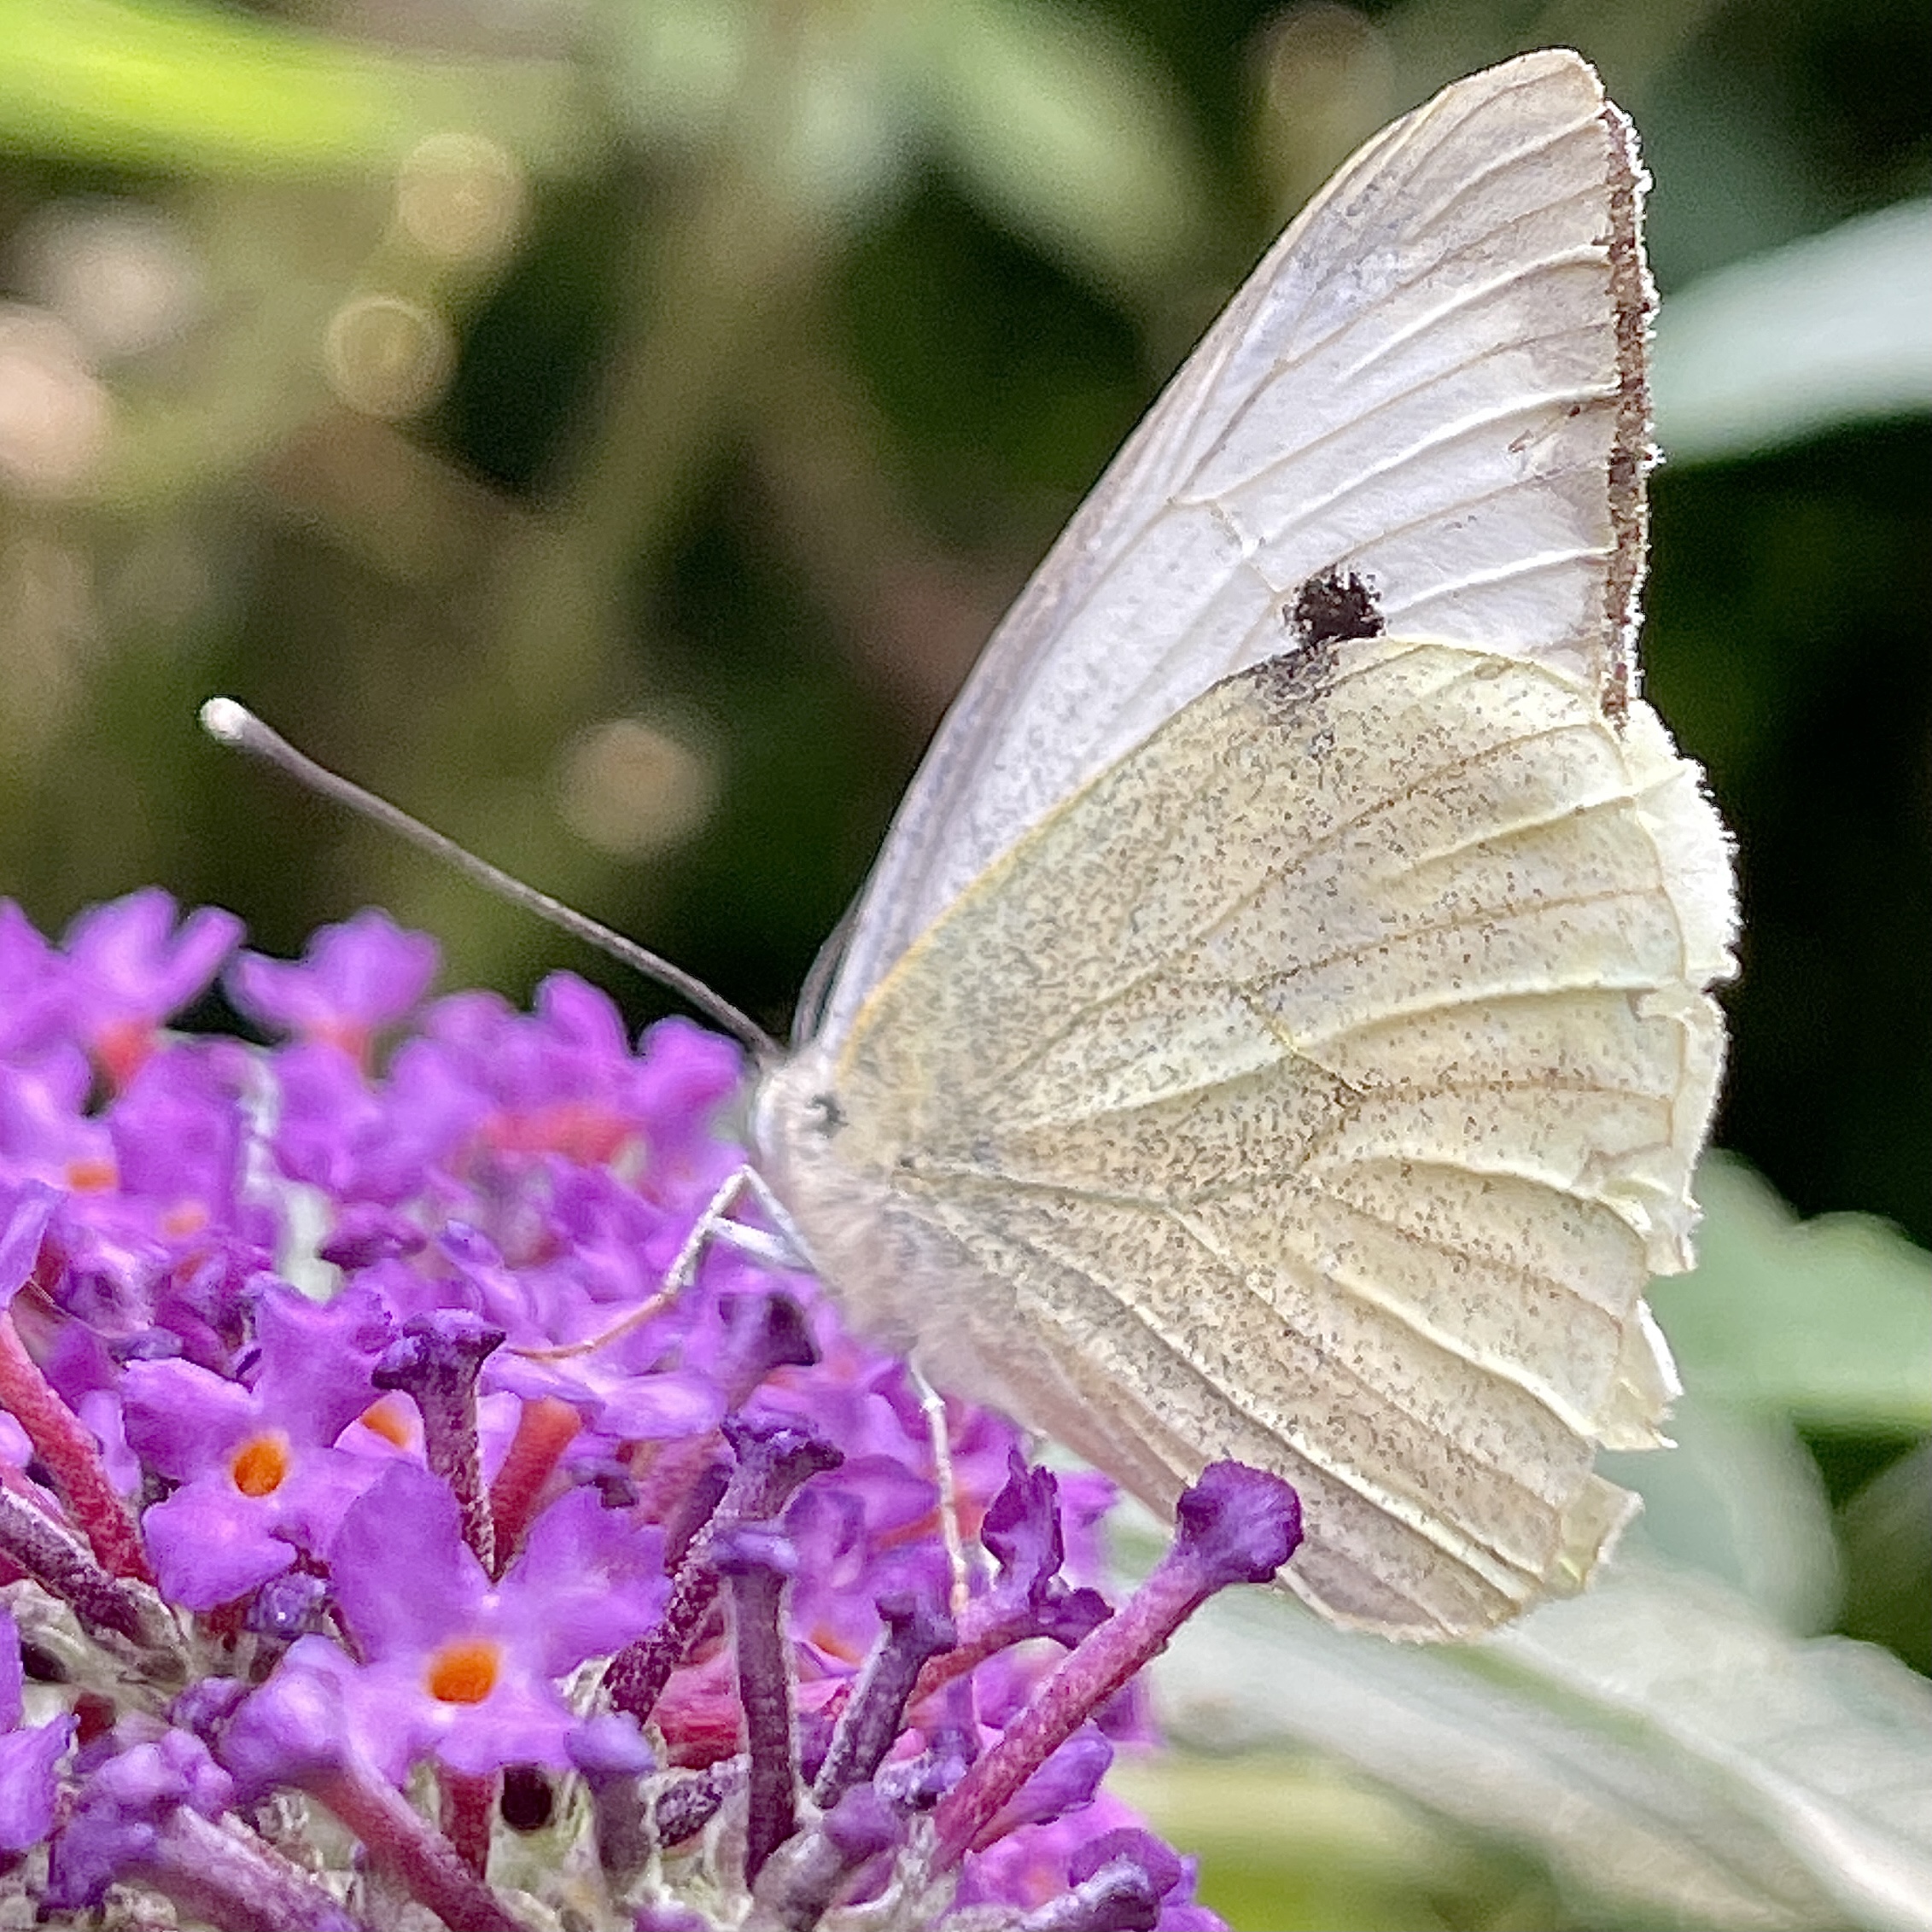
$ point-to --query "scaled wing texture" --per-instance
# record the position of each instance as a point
(1296, 1048)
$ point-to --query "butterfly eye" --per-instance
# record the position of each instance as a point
(827, 1115)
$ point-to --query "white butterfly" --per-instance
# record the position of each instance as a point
(1277, 1026)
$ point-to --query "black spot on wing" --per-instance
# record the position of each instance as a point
(1332, 607)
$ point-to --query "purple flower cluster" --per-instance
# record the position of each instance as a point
(377, 1528)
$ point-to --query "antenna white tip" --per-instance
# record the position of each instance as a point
(224, 720)
(233, 724)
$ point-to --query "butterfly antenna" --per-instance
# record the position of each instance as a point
(232, 724)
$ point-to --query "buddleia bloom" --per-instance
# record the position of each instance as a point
(382, 1520)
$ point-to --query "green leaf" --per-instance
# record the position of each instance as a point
(1888, 1532)
(1828, 331)
(1827, 1320)
(1291, 1842)
(1739, 1498)
(1051, 123)
(145, 84)
(1672, 1756)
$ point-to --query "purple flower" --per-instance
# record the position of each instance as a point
(177, 1131)
(33, 978)
(364, 1145)
(452, 1666)
(29, 1755)
(355, 979)
(261, 1483)
(23, 1224)
(482, 1508)
(128, 968)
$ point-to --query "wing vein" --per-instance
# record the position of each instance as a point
(1083, 1013)
(1461, 1544)
(1361, 1286)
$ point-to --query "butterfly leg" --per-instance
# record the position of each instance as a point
(782, 1248)
(785, 1248)
(932, 1405)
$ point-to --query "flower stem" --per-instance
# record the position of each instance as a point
(419, 1859)
(436, 1362)
(468, 1810)
(773, 1460)
(67, 1447)
(758, 1562)
(544, 1429)
(60, 1563)
(1236, 1525)
(230, 1879)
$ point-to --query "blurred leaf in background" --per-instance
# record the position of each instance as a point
(611, 426)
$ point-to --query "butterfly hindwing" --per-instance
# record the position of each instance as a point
(1318, 1087)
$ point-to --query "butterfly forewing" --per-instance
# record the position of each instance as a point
(1433, 378)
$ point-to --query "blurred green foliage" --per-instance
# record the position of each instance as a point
(610, 428)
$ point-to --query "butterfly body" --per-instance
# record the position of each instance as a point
(1277, 1025)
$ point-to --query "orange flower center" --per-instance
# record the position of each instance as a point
(387, 1416)
(580, 1130)
(464, 1672)
(121, 1048)
(260, 1466)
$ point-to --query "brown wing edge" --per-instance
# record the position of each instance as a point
(1634, 456)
